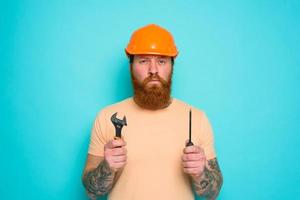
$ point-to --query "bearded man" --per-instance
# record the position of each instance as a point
(139, 148)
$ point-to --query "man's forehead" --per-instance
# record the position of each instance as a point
(150, 56)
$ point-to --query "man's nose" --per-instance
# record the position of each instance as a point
(153, 67)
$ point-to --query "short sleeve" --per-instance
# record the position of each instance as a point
(207, 138)
(98, 137)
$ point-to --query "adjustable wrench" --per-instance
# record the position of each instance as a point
(118, 123)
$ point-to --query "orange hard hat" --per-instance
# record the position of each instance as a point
(152, 39)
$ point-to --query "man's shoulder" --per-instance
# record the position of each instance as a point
(184, 105)
(120, 104)
(116, 107)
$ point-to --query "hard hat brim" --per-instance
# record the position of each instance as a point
(128, 53)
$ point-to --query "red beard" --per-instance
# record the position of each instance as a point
(152, 97)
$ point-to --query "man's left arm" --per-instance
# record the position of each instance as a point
(209, 183)
(205, 174)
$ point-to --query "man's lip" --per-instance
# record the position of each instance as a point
(153, 81)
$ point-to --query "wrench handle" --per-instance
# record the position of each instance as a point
(118, 132)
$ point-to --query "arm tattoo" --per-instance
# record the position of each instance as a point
(99, 181)
(210, 182)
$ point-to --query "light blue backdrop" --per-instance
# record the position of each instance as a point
(62, 61)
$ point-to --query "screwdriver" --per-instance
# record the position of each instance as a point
(190, 143)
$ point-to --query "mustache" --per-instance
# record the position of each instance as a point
(154, 77)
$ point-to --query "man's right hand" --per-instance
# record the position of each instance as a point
(115, 154)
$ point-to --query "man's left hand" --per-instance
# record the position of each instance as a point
(193, 161)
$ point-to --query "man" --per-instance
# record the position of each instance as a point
(151, 158)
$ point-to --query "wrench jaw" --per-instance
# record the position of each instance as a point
(118, 124)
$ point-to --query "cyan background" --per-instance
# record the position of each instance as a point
(62, 61)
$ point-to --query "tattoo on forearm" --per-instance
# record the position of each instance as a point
(99, 181)
(210, 181)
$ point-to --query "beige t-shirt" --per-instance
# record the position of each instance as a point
(155, 142)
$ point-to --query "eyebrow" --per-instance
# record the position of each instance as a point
(147, 57)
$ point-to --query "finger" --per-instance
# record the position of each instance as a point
(118, 143)
(118, 159)
(192, 157)
(109, 145)
(115, 152)
(114, 144)
(193, 164)
(192, 149)
(118, 151)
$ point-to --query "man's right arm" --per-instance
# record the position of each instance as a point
(97, 181)
(99, 173)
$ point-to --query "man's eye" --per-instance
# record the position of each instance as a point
(142, 61)
(162, 62)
